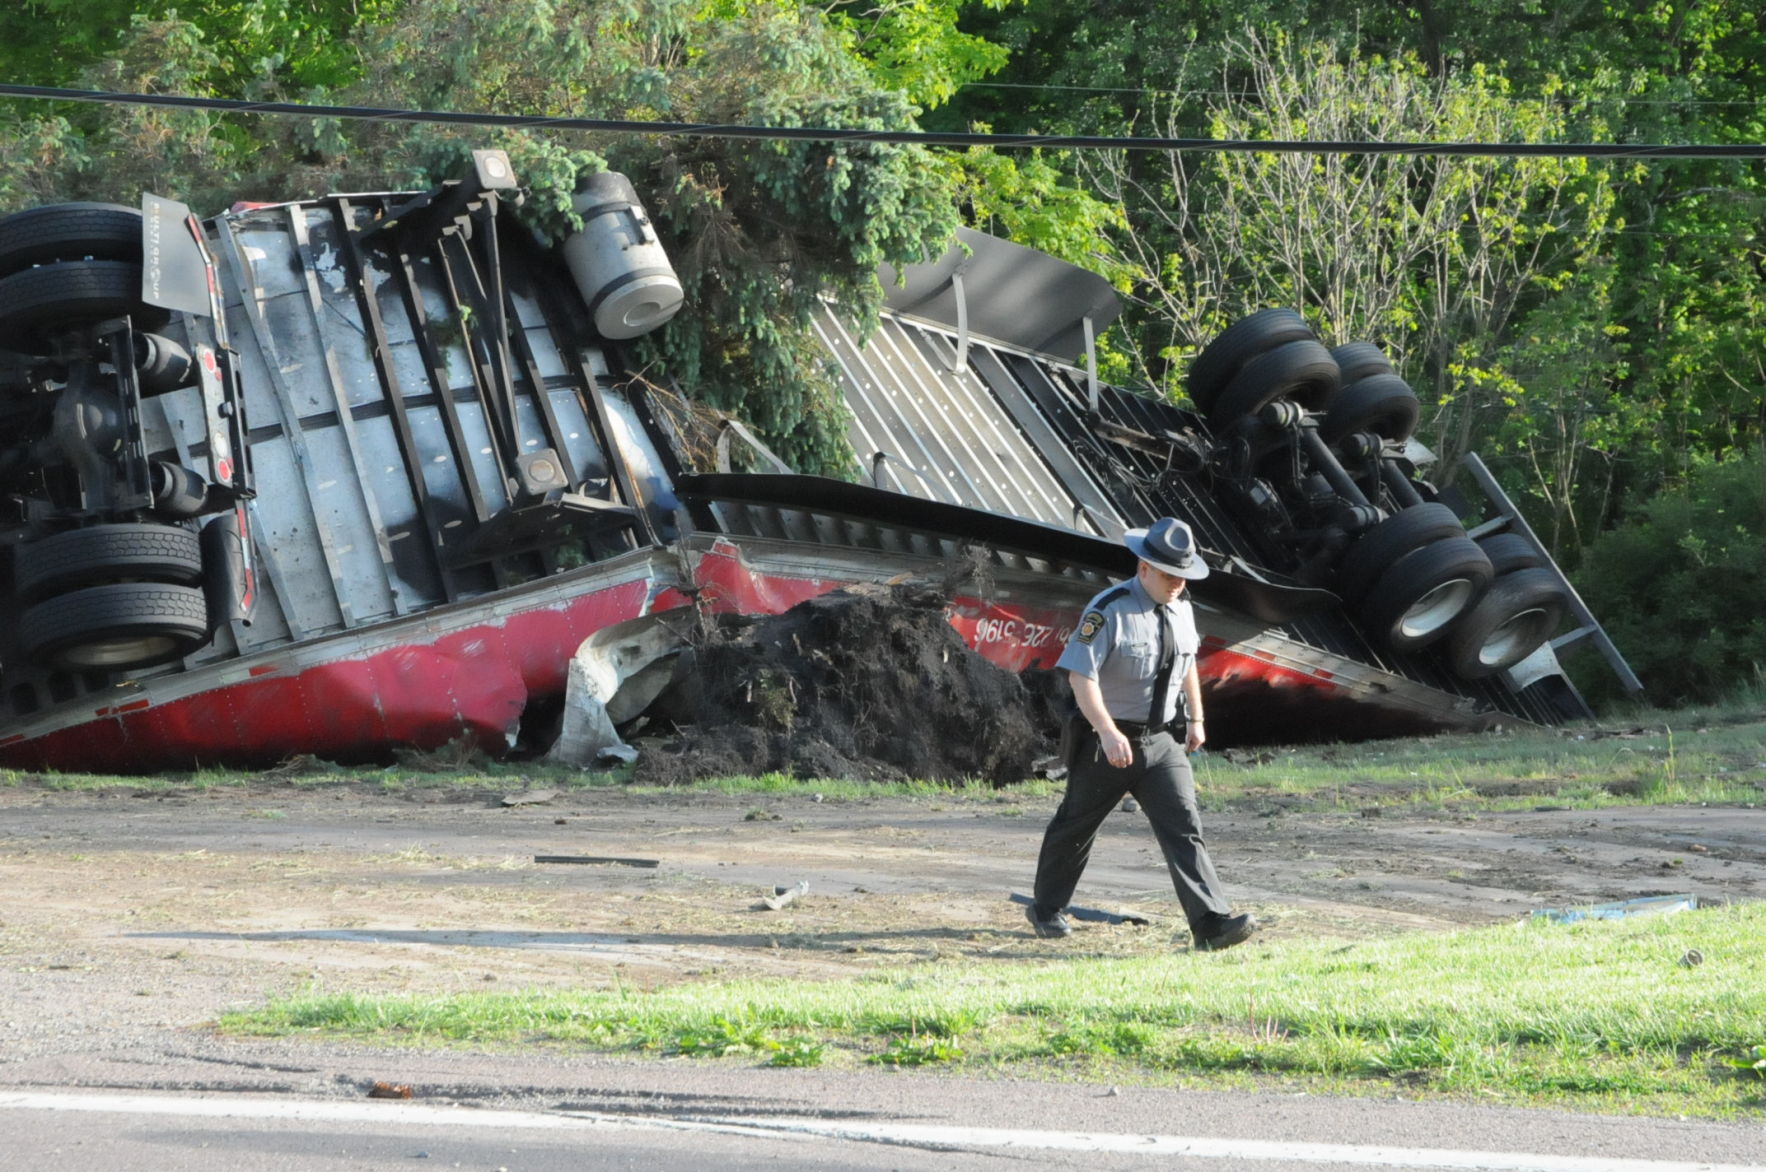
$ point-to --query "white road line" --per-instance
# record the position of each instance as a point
(905, 1134)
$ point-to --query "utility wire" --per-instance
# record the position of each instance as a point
(1595, 100)
(905, 137)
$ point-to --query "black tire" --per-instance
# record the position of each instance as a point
(1418, 600)
(1359, 360)
(39, 302)
(1521, 611)
(69, 231)
(1383, 404)
(1222, 359)
(104, 554)
(127, 625)
(1303, 371)
(1509, 552)
(1401, 533)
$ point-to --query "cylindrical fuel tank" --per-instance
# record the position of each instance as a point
(618, 263)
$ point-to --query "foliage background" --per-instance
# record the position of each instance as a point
(1594, 330)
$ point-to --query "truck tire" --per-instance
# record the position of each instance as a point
(69, 231)
(116, 627)
(1401, 533)
(104, 554)
(1359, 360)
(1509, 552)
(1303, 371)
(38, 303)
(1222, 359)
(1521, 611)
(1418, 600)
(1383, 404)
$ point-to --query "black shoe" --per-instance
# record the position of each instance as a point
(1224, 932)
(1050, 927)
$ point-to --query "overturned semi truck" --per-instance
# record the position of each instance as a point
(343, 475)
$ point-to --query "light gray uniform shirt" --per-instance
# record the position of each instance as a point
(1117, 644)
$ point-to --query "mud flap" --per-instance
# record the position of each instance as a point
(228, 583)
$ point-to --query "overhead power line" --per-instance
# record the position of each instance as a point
(1512, 99)
(1589, 150)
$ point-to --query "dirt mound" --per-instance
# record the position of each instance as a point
(863, 683)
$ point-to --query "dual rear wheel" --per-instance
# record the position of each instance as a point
(1416, 579)
(111, 597)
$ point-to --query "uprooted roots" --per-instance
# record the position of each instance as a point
(868, 683)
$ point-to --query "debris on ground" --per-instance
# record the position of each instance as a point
(1647, 905)
(784, 897)
(870, 683)
(1090, 915)
(532, 797)
(460, 753)
(299, 765)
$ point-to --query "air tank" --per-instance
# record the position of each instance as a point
(618, 263)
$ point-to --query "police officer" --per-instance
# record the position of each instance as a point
(1132, 664)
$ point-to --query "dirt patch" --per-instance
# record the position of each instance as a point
(865, 683)
(137, 916)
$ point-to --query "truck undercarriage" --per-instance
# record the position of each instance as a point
(350, 474)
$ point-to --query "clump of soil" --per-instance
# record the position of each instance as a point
(869, 683)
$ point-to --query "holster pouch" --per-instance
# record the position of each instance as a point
(1074, 730)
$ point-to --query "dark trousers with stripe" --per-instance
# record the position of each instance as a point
(1159, 778)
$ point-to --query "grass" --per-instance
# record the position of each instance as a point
(509, 777)
(1714, 755)
(1599, 1014)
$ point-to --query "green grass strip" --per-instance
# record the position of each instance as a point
(1613, 1010)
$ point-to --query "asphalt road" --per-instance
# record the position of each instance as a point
(198, 1103)
(131, 923)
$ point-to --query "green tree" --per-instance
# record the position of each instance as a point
(760, 231)
(1433, 257)
(914, 47)
(1677, 584)
(302, 43)
(1603, 378)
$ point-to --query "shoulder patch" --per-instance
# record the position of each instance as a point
(1089, 626)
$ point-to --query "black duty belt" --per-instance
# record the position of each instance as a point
(1140, 728)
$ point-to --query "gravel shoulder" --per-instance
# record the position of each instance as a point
(133, 920)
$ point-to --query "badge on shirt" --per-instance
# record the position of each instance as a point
(1090, 625)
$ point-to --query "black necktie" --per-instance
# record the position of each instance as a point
(1167, 661)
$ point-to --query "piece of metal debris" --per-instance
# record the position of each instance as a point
(532, 797)
(785, 896)
(1692, 959)
(612, 860)
(1092, 915)
(1644, 906)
